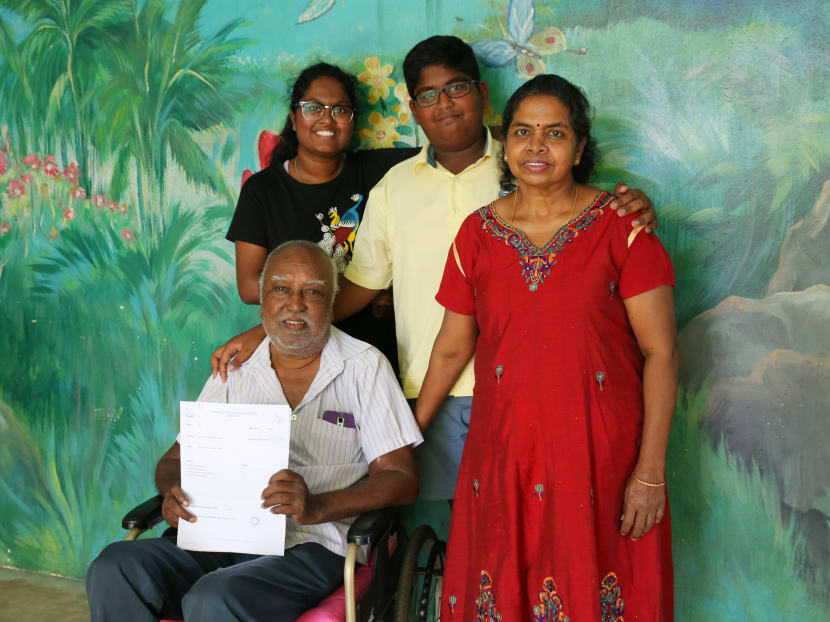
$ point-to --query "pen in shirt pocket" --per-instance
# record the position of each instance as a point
(344, 420)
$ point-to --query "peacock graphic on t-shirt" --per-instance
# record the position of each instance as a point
(339, 232)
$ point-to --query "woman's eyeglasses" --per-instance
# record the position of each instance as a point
(453, 89)
(313, 110)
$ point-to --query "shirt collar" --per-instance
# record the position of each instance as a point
(331, 363)
(427, 154)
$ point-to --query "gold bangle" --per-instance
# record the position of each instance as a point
(649, 484)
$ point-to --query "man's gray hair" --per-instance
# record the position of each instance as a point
(314, 250)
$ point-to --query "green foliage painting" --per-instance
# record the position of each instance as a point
(126, 128)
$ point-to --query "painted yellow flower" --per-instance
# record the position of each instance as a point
(403, 112)
(490, 118)
(401, 93)
(402, 109)
(381, 133)
(377, 77)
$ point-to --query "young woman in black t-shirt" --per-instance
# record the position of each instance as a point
(314, 190)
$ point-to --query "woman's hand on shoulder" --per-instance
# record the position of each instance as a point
(643, 507)
(231, 355)
(630, 201)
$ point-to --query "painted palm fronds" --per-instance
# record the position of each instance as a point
(167, 84)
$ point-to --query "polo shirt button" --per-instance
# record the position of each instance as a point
(293, 417)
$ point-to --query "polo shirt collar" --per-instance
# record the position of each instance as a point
(427, 154)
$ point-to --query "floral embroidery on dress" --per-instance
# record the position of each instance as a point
(486, 602)
(499, 372)
(475, 486)
(536, 263)
(452, 601)
(612, 286)
(539, 491)
(550, 607)
(600, 376)
(610, 597)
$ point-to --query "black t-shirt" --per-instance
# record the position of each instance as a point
(274, 208)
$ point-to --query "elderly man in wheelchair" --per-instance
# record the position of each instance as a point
(343, 464)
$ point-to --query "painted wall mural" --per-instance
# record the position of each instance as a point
(126, 128)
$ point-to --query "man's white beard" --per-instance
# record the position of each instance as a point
(309, 339)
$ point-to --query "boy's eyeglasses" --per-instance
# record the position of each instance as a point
(453, 89)
(313, 110)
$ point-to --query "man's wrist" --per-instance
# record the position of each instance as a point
(314, 509)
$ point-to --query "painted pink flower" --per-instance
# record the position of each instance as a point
(98, 200)
(112, 206)
(26, 178)
(78, 192)
(71, 173)
(15, 189)
(32, 161)
(4, 164)
(69, 214)
(5, 228)
(127, 235)
(50, 167)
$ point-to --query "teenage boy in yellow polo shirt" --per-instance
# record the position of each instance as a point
(411, 218)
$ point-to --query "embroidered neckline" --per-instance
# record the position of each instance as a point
(535, 262)
(540, 250)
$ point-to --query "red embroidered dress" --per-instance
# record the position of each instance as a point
(555, 426)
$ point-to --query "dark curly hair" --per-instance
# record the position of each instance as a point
(580, 119)
(288, 145)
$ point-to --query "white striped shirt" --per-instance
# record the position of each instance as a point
(354, 379)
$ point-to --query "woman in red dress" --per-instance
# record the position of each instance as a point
(560, 511)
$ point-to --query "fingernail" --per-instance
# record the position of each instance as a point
(621, 212)
(635, 223)
(649, 229)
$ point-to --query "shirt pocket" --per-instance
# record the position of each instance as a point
(332, 442)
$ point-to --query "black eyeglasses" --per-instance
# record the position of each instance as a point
(453, 89)
(313, 110)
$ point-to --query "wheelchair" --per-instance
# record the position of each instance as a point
(402, 582)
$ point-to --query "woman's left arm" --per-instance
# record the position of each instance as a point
(651, 315)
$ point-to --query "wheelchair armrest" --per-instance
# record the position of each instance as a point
(370, 526)
(144, 516)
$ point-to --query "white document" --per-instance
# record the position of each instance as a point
(228, 454)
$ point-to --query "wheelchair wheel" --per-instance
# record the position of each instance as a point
(418, 598)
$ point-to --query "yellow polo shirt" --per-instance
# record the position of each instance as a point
(410, 221)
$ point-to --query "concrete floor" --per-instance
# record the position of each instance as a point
(34, 597)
